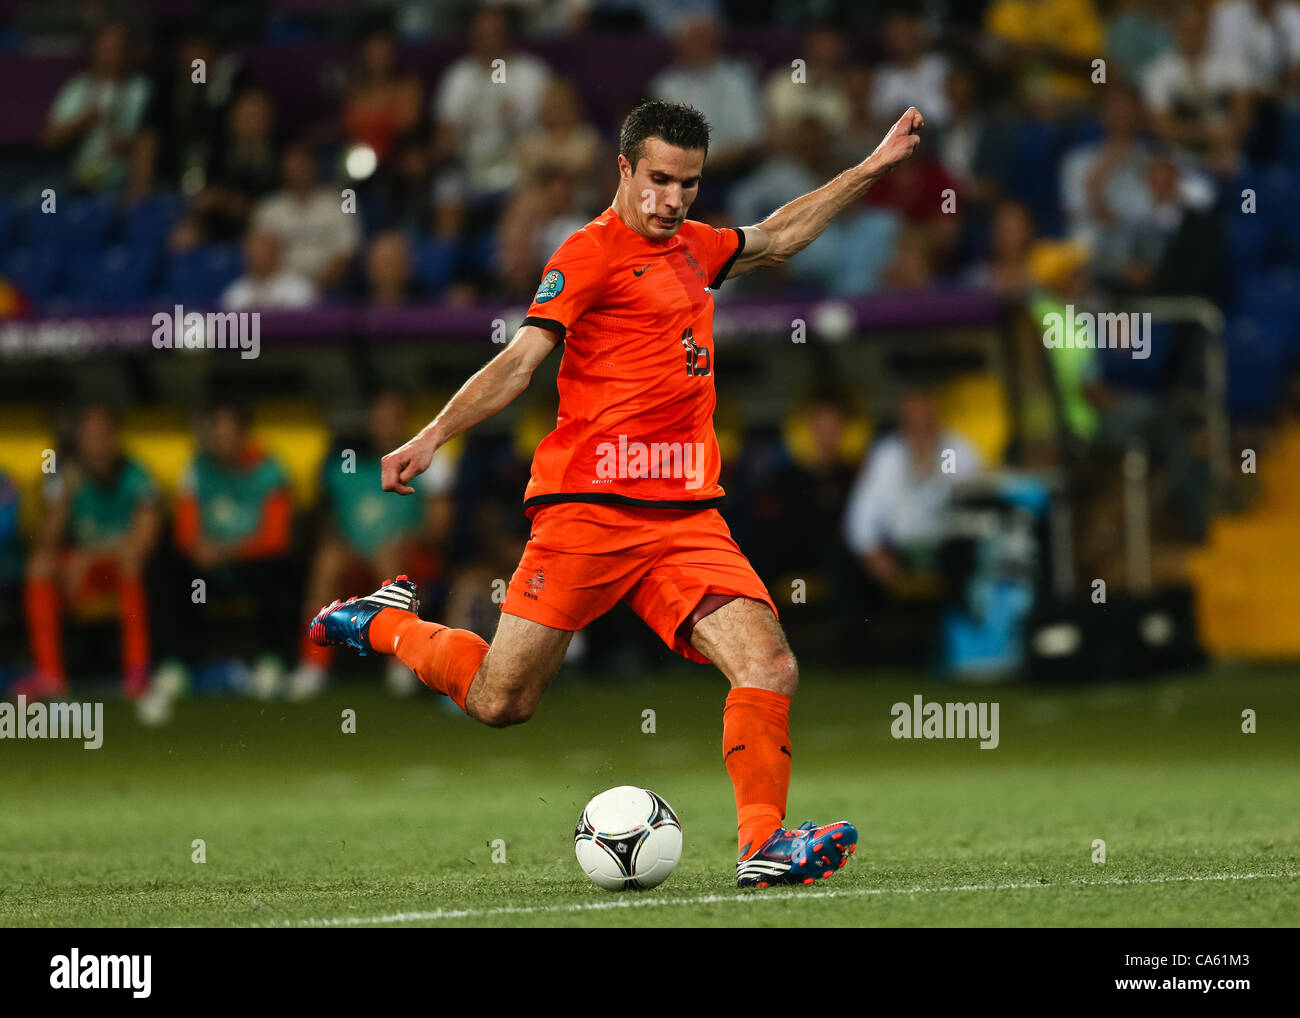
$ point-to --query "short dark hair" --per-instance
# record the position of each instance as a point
(675, 123)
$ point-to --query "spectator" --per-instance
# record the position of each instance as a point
(1049, 45)
(894, 518)
(1176, 245)
(724, 90)
(970, 146)
(913, 75)
(1012, 234)
(319, 238)
(99, 528)
(821, 94)
(537, 221)
(234, 515)
(187, 118)
(564, 143)
(1200, 99)
(388, 270)
(101, 112)
(486, 101)
(383, 103)
(377, 533)
(241, 171)
(1136, 34)
(266, 283)
(1103, 183)
(849, 258)
(1262, 35)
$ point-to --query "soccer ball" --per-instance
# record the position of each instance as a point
(628, 838)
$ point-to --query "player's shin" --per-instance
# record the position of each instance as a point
(756, 750)
(445, 659)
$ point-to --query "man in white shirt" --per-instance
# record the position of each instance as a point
(725, 91)
(912, 76)
(895, 511)
(265, 283)
(318, 237)
(485, 102)
(1199, 98)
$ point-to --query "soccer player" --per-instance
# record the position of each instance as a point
(99, 527)
(624, 492)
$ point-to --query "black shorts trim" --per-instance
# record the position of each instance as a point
(545, 323)
(721, 277)
(610, 498)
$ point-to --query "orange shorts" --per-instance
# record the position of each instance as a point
(582, 558)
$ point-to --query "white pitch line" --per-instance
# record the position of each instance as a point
(752, 898)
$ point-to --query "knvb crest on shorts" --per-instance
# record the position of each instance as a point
(552, 284)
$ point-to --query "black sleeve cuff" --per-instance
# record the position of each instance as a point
(721, 277)
(550, 324)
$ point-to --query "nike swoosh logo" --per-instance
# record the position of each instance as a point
(640, 271)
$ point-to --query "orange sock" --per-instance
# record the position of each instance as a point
(756, 748)
(445, 659)
(135, 625)
(42, 598)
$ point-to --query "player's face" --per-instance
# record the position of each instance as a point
(662, 187)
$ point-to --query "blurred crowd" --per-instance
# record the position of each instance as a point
(1073, 149)
(1122, 130)
(215, 576)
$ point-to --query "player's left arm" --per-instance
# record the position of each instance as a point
(791, 228)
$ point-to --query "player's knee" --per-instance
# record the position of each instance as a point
(503, 711)
(777, 671)
(785, 672)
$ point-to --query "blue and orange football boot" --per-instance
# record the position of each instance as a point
(802, 856)
(348, 622)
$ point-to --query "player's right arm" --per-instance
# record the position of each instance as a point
(489, 390)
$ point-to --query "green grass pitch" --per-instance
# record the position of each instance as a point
(395, 824)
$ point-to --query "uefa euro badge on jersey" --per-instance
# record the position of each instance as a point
(552, 284)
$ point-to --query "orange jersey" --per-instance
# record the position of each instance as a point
(635, 423)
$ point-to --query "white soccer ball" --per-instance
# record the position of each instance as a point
(628, 838)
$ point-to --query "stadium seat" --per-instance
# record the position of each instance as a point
(149, 221)
(1257, 353)
(202, 273)
(77, 225)
(433, 263)
(116, 276)
(34, 271)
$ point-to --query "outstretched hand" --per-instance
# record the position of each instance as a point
(404, 464)
(900, 142)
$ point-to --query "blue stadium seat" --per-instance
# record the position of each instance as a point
(148, 223)
(1272, 293)
(433, 262)
(1257, 355)
(78, 224)
(117, 276)
(34, 271)
(202, 273)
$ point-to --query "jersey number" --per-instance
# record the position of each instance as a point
(697, 359)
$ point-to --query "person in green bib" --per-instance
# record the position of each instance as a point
(234, 519)
(99, 527)
(368, 533)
